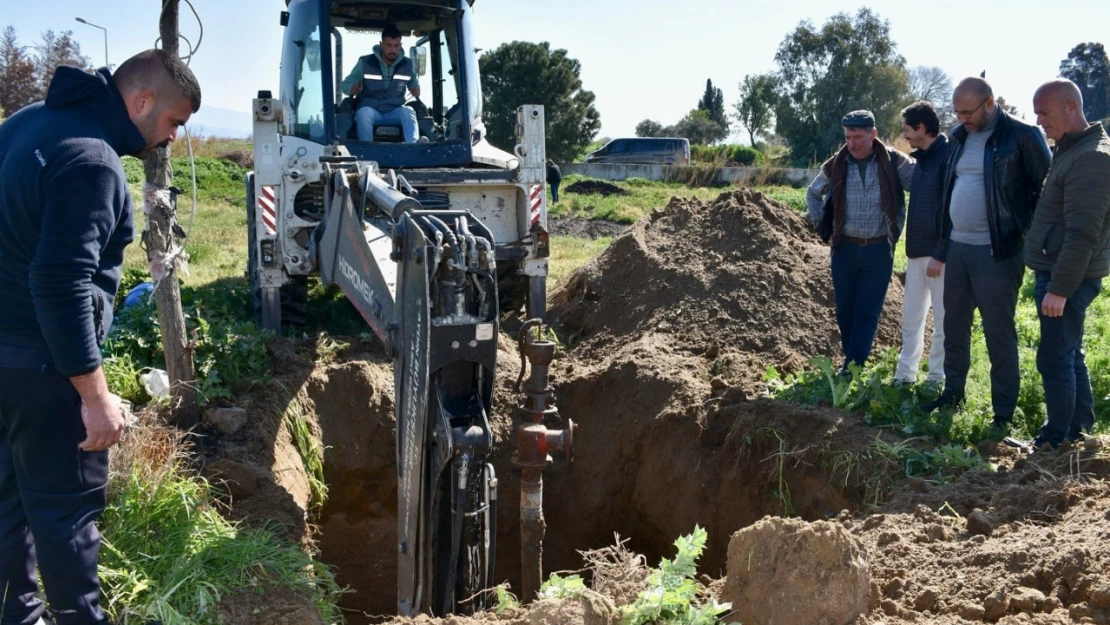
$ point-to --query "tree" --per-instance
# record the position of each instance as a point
(649, 128)
(54, 51)
(713, 101)
(934, 85)
(1088, 67)
(18, 87)
(1010, 109)
(755, 110)
(522, 72)
(849, 63)
(698, 128)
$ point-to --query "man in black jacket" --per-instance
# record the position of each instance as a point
(924, 253)
(65, 219)
(554, 177)
(994, 177)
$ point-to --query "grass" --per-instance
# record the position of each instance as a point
(168, 555)
(639, 201)
(570, 253)
(311, 452)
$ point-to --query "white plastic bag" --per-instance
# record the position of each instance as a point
(156, 383)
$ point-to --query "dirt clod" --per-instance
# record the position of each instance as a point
(598, 187)
(790, 571)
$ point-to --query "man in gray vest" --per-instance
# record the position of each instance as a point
(995, 170)
(379, 80)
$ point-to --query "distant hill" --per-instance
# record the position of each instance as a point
(213, 121)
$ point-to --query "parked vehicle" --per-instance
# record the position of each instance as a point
(649, 150)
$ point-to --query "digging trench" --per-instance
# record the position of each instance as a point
(651, 461)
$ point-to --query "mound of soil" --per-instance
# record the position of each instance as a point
(742, 275)
(1029, 543)
(596, 187)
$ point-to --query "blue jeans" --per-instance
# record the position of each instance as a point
(861, 275)
(367, 117)
(1067, 384)
(554, 192)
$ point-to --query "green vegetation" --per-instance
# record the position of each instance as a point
(169, 556)
(227, 348)
(640, 199)
(312, 454)
(570, 253)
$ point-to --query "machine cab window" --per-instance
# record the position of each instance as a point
(342, 86)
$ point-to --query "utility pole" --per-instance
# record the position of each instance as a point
(164, 244)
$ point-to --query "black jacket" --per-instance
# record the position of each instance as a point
(1016, 162)
(554, 175)
(65, 219)
(923, 222)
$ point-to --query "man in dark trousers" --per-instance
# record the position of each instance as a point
(924, 254)
(554, 177)
(1068, 249)
(994, 177)
(65, 219)
(864, 182)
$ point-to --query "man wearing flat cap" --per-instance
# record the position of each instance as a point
(862, 186)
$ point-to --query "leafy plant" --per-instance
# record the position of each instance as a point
(559, 587)
(672, 595)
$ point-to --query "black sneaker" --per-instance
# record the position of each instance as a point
(945, 400)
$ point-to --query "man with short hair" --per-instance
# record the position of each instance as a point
(65, 219)
(863, 187)
(1068, 249)
(379, 81)
(924, 253)
(994, 176)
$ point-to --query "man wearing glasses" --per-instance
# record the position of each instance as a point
(995, 171)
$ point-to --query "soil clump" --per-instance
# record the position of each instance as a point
(595, 187)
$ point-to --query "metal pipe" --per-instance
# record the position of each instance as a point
(534, 442)
(389, 200)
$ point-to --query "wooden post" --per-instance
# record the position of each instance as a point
(160, 241)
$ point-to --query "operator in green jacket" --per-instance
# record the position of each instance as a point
(1068, 249)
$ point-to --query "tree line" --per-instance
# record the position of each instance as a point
(849, 62)
(26, 72)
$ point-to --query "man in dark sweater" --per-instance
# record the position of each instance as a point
(1068, 249)
(65, 219)
(925, 255)
(554, 177)
(995, 170)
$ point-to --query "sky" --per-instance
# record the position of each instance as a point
(643, 59)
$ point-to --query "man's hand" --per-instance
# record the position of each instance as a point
(415, 91)
(934, 268)
(104, 424)
(356, 88)
(1053, 305)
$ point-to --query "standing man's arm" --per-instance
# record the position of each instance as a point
(80, 213)
(1086, 206)
(815, 198)
(906, 166)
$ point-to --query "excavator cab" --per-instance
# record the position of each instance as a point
(324, 42)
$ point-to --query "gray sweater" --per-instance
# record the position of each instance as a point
(969, 193)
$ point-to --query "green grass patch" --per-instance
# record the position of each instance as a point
(871, 389)
(642, 196)
(169, 556)
(312, 454)
(570, 253)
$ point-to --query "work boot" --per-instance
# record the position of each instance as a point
(946, 400)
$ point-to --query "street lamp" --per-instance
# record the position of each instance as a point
(105, 38)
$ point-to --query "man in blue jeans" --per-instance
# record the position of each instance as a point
(379, 81)
(863, 185)
(1068, 249)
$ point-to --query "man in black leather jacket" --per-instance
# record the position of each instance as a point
(995, 171)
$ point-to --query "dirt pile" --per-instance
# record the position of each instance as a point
(595, 187)
(742, 275)
(1029, 543)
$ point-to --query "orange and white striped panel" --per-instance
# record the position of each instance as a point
(536, 203)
